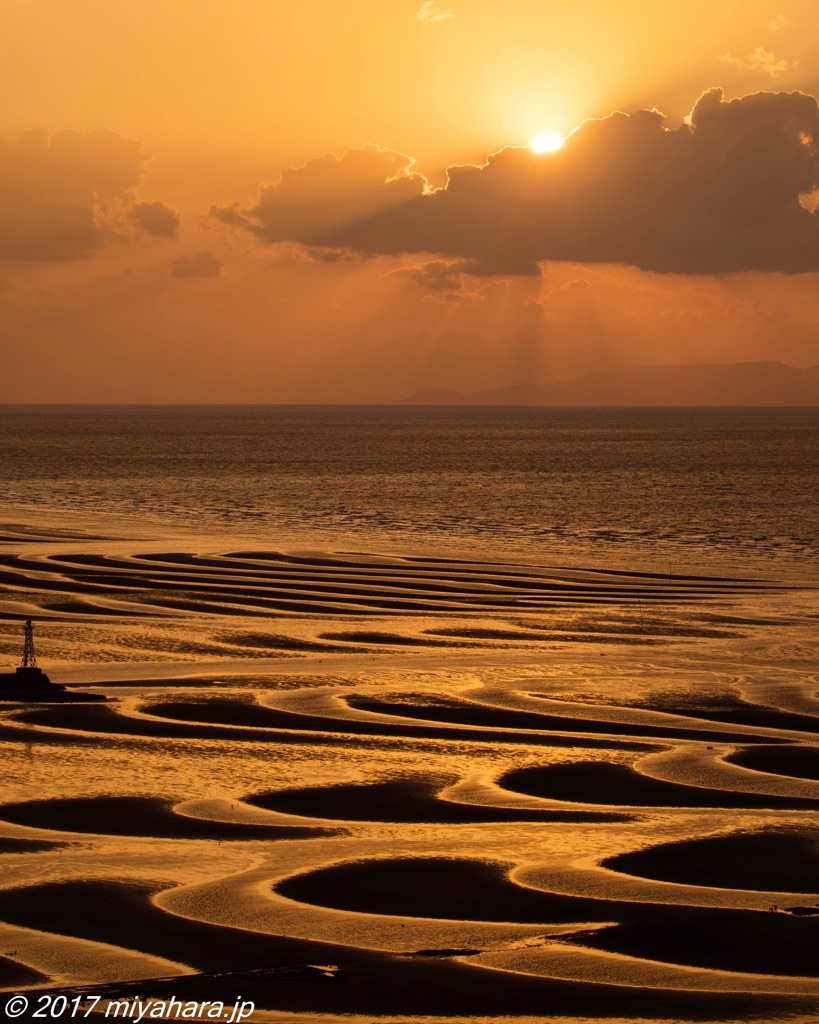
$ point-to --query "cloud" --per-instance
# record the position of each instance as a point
(778, 23)
(429, 12)
(156, 219)
(761, 60)
(334, 255)
(437, 275)
(718, 194)
(55, 193)
(199, 264)
(315, 203)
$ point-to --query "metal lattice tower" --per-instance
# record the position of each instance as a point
(29, 657)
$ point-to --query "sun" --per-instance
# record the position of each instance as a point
(547, 142)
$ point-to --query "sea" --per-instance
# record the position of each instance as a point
(668, 489)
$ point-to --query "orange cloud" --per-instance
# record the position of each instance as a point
(437, 275)
(62, 197)
(156, 219)
(52, 191)
(761, 60)
(199, 264)
(429, 12)
(718, 194)
(329, 194)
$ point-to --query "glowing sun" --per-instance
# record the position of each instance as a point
(548, 142)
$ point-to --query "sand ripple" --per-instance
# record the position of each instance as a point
(598, 782)
(459, 755)
(481, 891)
(274, 970)
(263, 583)
(405, 800)
(139, 816)
(796, 762)
(772, 859)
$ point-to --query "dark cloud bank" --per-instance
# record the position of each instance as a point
(719, 194)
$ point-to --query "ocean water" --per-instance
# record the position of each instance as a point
(667, 487)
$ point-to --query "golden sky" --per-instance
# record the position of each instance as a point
(249, 201)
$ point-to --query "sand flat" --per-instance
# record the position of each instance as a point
(382, 739)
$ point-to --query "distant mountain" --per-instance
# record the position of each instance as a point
(762, 383)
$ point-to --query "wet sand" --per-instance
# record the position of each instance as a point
(140, 816)
(798, 762)
(777, 859)
(597, 782)
(354, 981)
(404, 801)
(403, 787)
(477, 891)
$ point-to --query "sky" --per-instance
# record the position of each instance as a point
(354, 200)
